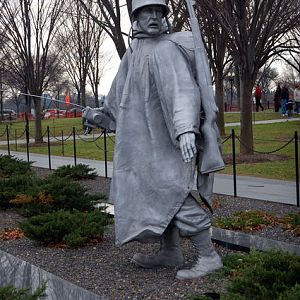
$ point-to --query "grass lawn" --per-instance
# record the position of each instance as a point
(267, 138)
(55, 126)
(262, 115)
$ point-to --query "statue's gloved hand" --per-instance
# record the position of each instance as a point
(92, 116)
(187, 146)
(96, 117)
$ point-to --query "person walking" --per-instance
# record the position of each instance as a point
(258, 95)
(297, 98)
(154, 105)
(277, 98)
(284, 98)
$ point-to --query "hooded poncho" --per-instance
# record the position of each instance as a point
(154, 99)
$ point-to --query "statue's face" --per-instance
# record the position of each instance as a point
(150, 19)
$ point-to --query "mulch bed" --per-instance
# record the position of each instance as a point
(106, 269)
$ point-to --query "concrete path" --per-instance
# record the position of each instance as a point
(249, 187)
(265, 121)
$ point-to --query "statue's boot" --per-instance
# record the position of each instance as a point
(169, 255)
(208, 259)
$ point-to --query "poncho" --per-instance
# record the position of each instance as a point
(154, 99)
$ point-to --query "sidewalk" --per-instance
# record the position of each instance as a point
(265, 121)
(249, 187)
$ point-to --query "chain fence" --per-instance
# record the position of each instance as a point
(101, 142)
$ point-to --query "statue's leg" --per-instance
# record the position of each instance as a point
(193, 221)
(169, 255)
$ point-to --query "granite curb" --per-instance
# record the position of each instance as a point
(245, 242)
(21, 274)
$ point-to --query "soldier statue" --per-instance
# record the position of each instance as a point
(154, 107)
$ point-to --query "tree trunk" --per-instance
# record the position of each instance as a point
(38, 120)
(82, 93)
(220, 104)
(246, 131)
(96, 95)
(238, 87)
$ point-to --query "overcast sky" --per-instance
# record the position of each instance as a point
(109, 47)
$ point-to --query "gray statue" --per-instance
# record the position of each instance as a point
(154, 106)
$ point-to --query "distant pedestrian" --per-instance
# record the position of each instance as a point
(289, 108)
(284, 98)
(297, 98)
(277, 98)
(258, 95)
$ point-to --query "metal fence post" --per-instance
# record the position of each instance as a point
(297, 167)
(16, 140)
(105, 152)
(233, 162)
(74, 145)
(62, 143)
(49, 152)
(27, 136)
(7, 138)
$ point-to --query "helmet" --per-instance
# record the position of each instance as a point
(137, 4)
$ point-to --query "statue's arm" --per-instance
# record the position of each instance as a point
(106, 116)
(179, 95)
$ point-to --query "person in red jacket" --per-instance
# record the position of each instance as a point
(258, 94)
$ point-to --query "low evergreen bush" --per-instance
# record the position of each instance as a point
(269, 275)
(10, 165)
(15, 185)
(9, 292)
(262, 275)
(72, 228)
(52, 194)
(78, 172)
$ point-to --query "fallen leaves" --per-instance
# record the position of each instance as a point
(11, 234)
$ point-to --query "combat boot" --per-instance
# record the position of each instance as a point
(169, 255)
(208, 259)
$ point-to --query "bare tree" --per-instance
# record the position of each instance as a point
(98, 62)
(28, 28)
(111, 11)
(255, 33)
(80, 41)
(292, 56)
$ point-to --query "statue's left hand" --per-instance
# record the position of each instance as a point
(187, 146)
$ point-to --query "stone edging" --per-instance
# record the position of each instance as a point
(246, 241)
(21, 274)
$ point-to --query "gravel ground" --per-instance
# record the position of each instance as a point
(106, 269)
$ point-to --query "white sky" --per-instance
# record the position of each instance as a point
(113, 65)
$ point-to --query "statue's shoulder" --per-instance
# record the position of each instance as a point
(183, 39)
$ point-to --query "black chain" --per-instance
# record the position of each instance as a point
(268, 152)
(19, 136)
(60, 140)
(88, 140)
(226, 139)
(4, 132)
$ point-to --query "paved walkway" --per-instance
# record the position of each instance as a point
(266, 121)
(249, 187)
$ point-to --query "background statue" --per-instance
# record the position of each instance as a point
(154, 106)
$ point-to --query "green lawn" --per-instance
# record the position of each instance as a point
(56, 126)
(267, 138)
(85, 148)
(262, 115)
